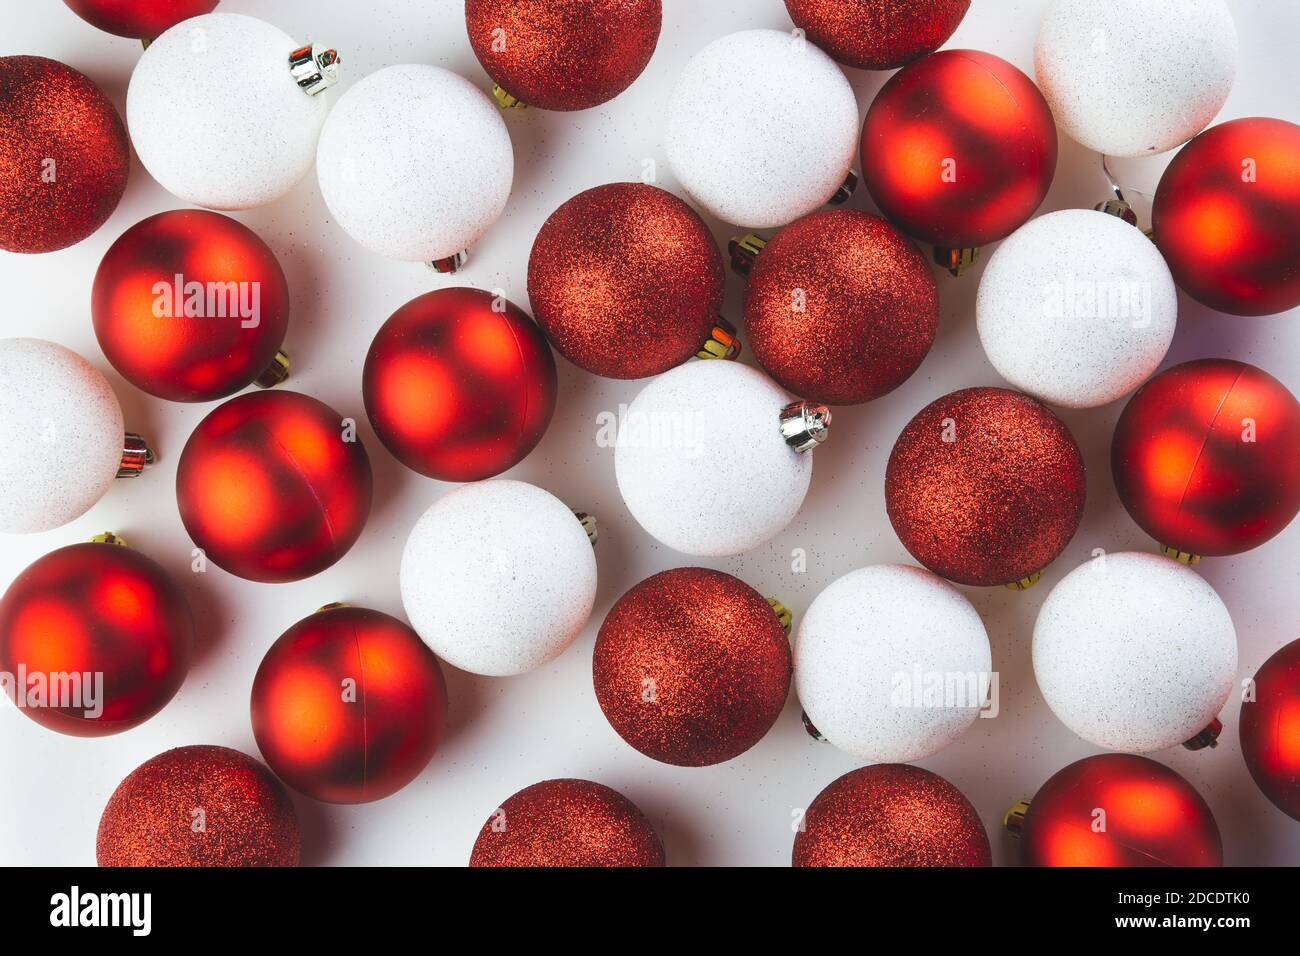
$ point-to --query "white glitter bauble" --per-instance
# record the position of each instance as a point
(1134, 652)
(61, 428)
(701, 461)
(1130, 78)
(1076, 308)
(217, 117)
(415, 163)
(892, 663)
(762, 128)
(498, 577)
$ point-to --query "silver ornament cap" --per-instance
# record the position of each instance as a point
(805, 425)
(314, 69)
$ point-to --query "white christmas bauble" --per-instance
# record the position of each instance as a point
(701, 461)
(498, 577)
(415, 163)
(892, 663)
(762, 128)
(1134, 652)
(1076, 308)
(61, 428)
(1130, 78)
(217, 117)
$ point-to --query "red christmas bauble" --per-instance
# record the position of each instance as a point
(190, 305)
(567, 823)
(138, 19)
(877, 34)
(99, 622)
(1270, 729)
(348, 705)
(985, 486)
(63, 155)
(626, 280)
(891, 814)
(274, 486)
(1119, 810)
(1206, 457)
(840, 307)
(459, 384)
(692, 667)
(959, 149)
(1227, 217)
(199, 806)
(563, 54)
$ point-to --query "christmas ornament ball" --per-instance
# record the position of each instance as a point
(1270, 729)
(626, 280)
(138, 19)
(866, 647)
(567, 823)
(1133, 79)
(1206, 457)
(274, 486)
(1134, 652)
(199, 806)
(415, 163)
(562, 54)
(877, 34)
(348, 705)
(891, 814)
(459, 384)
(64, 155)
(985, 486)
(840, 307)
(498, 577)
(1077, 308)
(1227, 216)
(190, 305)
(780, 152)
(691, 667)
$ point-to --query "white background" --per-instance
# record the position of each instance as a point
(508, 733)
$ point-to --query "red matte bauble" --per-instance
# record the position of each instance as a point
(138, 19)
(64, 155)
(190, 305)
(348, 705)
(105, 613)
(840, 307)
(1227, 217)
(274, 486)
(1206, 457)
(1270, 729)
(626, 280)
(1119, 810)
(959, 149)
(985, 486)
(459, 384)
(891, 814)
(563, 54)
(877, 34)
(199, 806)
(692, 667)
(567, 823)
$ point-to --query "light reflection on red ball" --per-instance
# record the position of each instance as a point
(1270, 729)
(138, 19)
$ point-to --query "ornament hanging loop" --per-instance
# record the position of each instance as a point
(805, 425)
(313, 69)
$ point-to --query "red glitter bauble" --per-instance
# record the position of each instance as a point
(563, 54)
(459, 384)
(199, 806)
(567, 823)
(985, 486)
(959, 149)
(1270, 729)
(692, 667)
(274, 486)
(190, 305)
(1119, 810)
(891, 814)
(1206, 457)
(348, 705)
(626, 280)
(98, 611)
(840, 307)
(138, 19)
(63, 155)
(877, 34)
